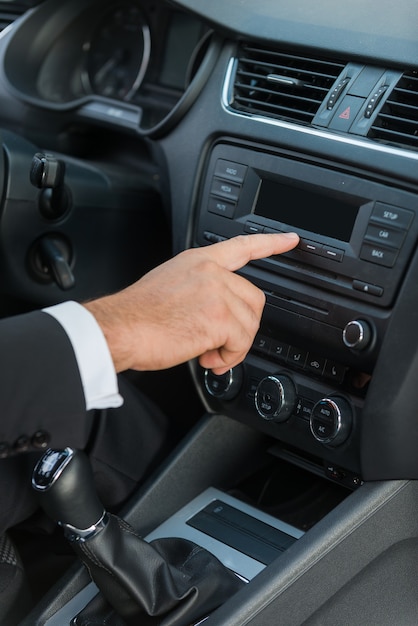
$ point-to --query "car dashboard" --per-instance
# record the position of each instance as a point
(227, 119)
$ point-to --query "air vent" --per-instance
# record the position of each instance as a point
(277, 84)
(397, 122)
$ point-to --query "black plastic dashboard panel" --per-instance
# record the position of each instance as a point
(356, 28)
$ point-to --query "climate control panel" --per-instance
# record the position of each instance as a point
(314, 416)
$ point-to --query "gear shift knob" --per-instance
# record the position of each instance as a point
(64, 481)
(172, 580)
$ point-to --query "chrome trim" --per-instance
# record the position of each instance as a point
(278, 383)
(351, 140)
(84, 534)
(229, 383)
(146, 55)
(337, 422)
(361, 336)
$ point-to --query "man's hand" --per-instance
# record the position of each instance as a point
(191, 306)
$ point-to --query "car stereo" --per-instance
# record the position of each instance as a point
(328, 302)
(356, 237)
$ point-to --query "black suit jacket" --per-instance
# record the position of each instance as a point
(41, 396)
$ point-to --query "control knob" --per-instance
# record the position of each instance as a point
(275, 397)
(224, 386)
(331, 420)
(357, 335)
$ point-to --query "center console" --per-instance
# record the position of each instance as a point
(294, 557)
(328, 302)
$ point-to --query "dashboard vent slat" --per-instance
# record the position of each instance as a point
(278, 84)
(397, 122)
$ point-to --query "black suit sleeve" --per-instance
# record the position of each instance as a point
(40, 385)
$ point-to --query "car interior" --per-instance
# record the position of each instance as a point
(165, 125)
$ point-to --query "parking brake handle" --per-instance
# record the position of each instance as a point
(169, 582)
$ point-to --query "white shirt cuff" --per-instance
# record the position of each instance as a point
(92, 353)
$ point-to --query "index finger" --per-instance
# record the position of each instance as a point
(234, 253)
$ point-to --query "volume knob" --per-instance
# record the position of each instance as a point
(357, 335)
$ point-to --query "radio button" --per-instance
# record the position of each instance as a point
(253, 228)
(272, 231)
(332, 253)
(381, 234)
(225, 189)
(310, 246)
(231, 170)
(392, 215)
(378, 255)
(220, 207)
(373, 290)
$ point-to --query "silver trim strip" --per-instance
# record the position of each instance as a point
(353, 141)
(146, 56)
(238, 562)
(74, 534)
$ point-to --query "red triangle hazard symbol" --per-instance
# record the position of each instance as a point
(345, 115)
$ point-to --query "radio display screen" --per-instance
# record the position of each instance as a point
(306, 208)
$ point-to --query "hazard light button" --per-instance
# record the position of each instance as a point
(346, 113)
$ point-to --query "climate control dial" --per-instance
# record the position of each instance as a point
(275, 397)
(224, 386)
(331, 420)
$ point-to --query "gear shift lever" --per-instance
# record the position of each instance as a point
(169, 582)
(69, 493)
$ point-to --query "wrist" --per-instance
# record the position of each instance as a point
(107, 317)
